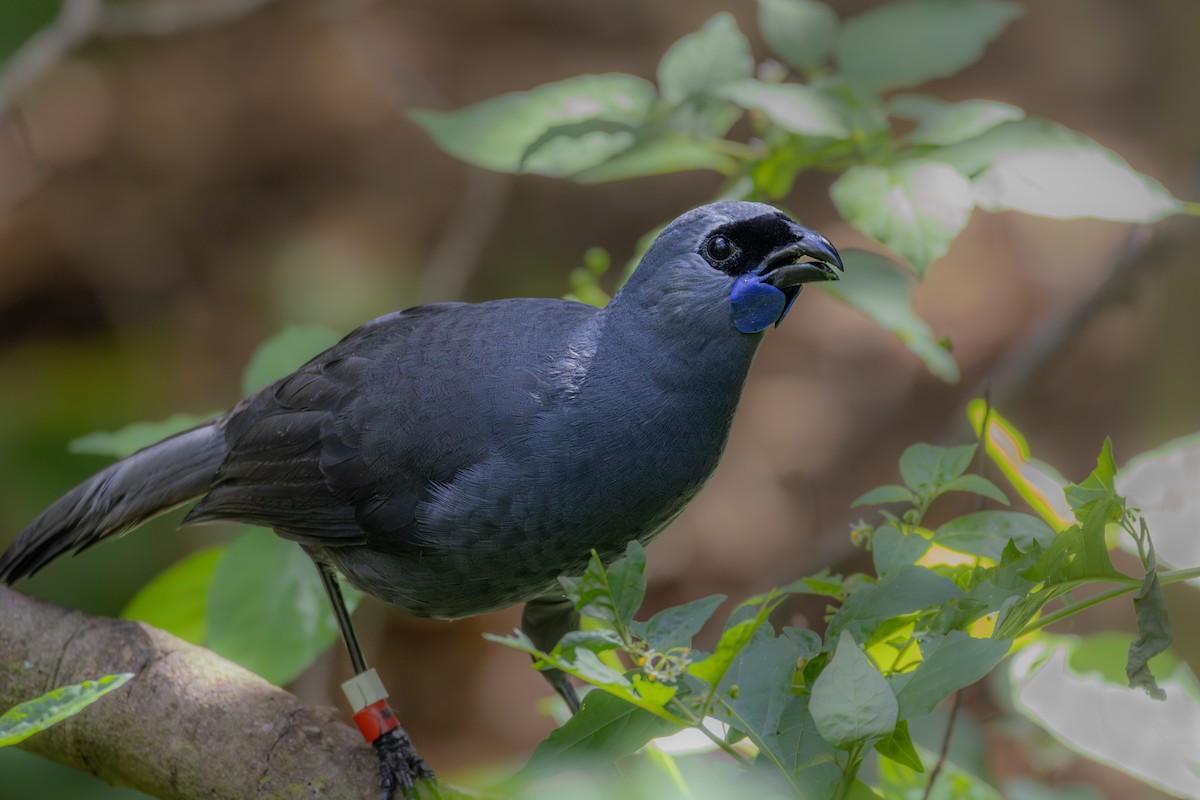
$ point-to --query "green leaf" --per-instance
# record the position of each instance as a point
(893, 549)
(703, 61)
(176, 599)
(19, 22)
(909, 42)
(732, 641)
(1081, 551)
(914, 207)
(611, 595)
(899, 780)
(498, 133)
(755, 690)
(675, 626)
(975, 484)
(949, 663)
(604, 729)
(851, 702)
(661, 154)
(801, 32)
(792, 106)
(898, 746)
(908, 590)
(1098, 487)
(874, 286)
(986, 533)
(22, 721)
(942, 123)
(133, 437)
(597, 640)
(823, 583)
(926, 468)
(800, 749)
(1154, 630)
(1040, 167)
(283, 353)
(267, 609)
(882, 495)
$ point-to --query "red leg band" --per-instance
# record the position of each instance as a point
(375, 720)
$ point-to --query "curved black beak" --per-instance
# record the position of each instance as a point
(783, 268)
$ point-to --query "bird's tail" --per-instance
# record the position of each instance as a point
(119, 498)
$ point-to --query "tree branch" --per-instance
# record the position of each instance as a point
(190, 725)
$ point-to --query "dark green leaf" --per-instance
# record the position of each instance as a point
(1081, 551)
(914, 207)
(659, 155)
(801, 32)
(611, 595)
(1154, 632)
(703, 61)
(792, 106)
(176, 600)
(596, 640)
(926, 468)
(675, 627)
(762, 674)
(281, 354)
(909, 42)
(267, 609)
(893, 549)
(975, 484)
(26, 719)
(1098, 487)
(801, 750)
(987, 533)
(874, 286)
(898, 746)
(822, 583)
(881, 495)
(497, 133)
(942, 123)
(806, 643)
(134, 437)
(604, 729)
(851, 702)
(949, 663)
(908, 590)
(20, 21)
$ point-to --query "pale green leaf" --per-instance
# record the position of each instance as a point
(893, 549)
(133, 437)
(675, 626)
(851, 702)
(874, 286)
(942, 123)
(703, 61)
(882, 495)
(659, 155)
(976, 484)
(576, 124)
(986, 533)
(915, 207)
(949, 663)
(801, 32)
(792, 106)
(926, 468)
(26, 719)
(905, 43)
(907, 590)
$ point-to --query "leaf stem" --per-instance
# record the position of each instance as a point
(1170, 576)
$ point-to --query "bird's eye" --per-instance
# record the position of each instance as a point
(720, 248)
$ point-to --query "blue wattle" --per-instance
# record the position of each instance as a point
(755, 306)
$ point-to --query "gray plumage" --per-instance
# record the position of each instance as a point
(457, 458)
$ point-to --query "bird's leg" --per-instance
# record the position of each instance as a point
(545, 621)
(399, 764)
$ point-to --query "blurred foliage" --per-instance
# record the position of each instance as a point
(22, 721)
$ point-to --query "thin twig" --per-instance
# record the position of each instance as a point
(937, 768)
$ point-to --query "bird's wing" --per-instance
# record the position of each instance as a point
(343, 450)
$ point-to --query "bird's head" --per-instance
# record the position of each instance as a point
(751, 257)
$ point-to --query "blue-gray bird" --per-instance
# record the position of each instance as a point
(458, 458)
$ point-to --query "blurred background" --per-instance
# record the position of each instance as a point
(166, 202)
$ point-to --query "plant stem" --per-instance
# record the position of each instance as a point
(1170, 576)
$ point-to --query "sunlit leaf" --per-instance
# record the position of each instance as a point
(874, 286)
(905, 43)
(801, 32)
(26, 719)
(176, 600)
(914, 207)
(948, 664)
